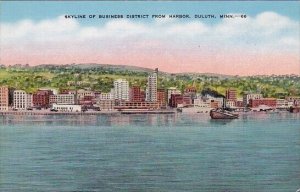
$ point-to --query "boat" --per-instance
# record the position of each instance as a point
(222, 114)
(295, 109)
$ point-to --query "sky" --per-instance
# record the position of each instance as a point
(266, 42)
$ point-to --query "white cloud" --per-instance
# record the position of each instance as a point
(273, 22)
(268, 31)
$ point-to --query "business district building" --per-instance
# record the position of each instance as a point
(4, 98)
(122, 97)
(22, 100)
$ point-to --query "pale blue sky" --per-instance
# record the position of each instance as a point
(34, 32)
(39, 10)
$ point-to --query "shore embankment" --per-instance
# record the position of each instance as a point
(44, 112)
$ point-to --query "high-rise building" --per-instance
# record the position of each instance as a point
(231, 94)
(151, 91)
(22, 100)
(121, 90)
(4, 98)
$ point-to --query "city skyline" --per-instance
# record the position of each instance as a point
(255, 45)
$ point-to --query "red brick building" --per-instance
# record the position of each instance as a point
(271, 102)
(177, 99)
(239, 103)
(136, 94)
(187, 100)
(41, 98)
(190, 90)
(87, 101)
(67, 91)
(231, 94)
(162, 97)
(4, 98)
(143, 96)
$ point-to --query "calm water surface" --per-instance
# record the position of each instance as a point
(181, 152)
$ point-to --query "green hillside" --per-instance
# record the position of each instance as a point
(98, 77)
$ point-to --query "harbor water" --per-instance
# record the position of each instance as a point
(259, 152)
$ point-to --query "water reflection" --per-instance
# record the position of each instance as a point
(221, 121)
(92, 120)
(179, 119)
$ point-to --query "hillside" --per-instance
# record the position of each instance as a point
(101, 76)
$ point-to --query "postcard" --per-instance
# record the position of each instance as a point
(150, 96)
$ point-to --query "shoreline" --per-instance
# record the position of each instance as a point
(113, 112)
(48, 113)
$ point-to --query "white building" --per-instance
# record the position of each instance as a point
(82, 93)
(22, 100)
(230, 103)
(200, 106)
(121, 90)
(294, 99)
(247, 97)
(211, 99)
(151, 90)
(218, 100)
(282, 103)
(66, 108)
(106, 104)
(62, 99)
(201, 103)
(106, 96)
(172, 90)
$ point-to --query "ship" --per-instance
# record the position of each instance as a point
(222, 114)
(295, 109)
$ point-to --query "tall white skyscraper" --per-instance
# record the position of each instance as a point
(151, 91)
(121, 90)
